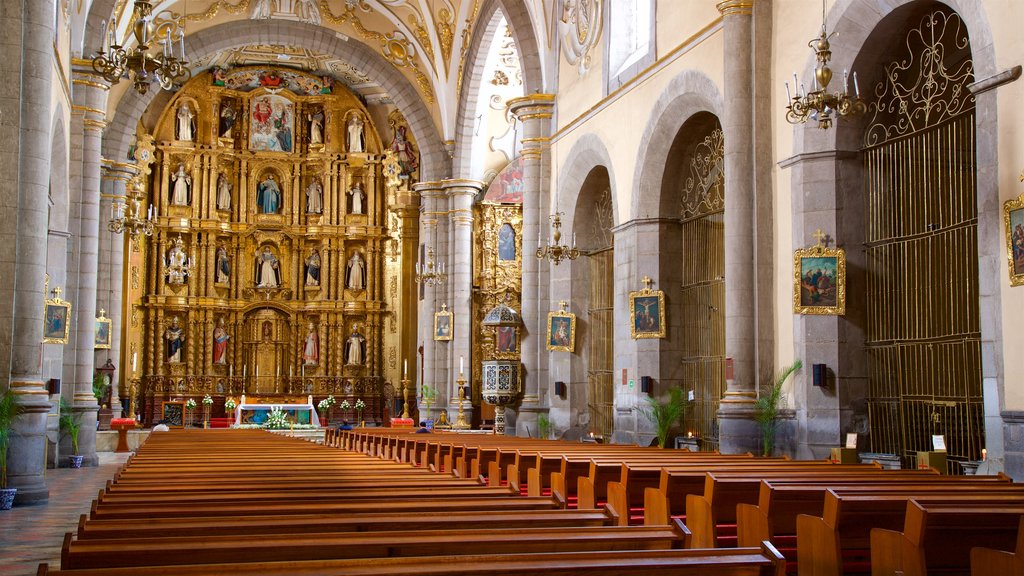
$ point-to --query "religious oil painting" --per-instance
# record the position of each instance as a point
(272, 122)
(506, 243)
(561, 331)
(819, 283)
(102, 332)
(443, 325)
(507, 341)
(173, 413)
(1013, 217)
(647, 314)
(55, 321)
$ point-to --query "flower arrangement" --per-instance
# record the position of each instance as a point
(276, 420)
(207, 401)
(190, 404)
(326, 403)
(230, 405)
(345, 405)
(360, 405)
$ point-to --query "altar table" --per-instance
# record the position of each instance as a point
(297, 413)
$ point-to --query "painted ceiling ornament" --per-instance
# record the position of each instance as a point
(579, 28)
(302, 10)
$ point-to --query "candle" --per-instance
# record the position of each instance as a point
(856, 87)
(405, 368)
(689, 434)
(846, 85)
(231, 370)
(984, 454)
(245, 370)
(257, 372)
(789, 96)
(460, 365)
(135, 361)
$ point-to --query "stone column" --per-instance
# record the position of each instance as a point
(461, 194)
(738, 431)
(434, 356)
(25, 103)
(534, 115)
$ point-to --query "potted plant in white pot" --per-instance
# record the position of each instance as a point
(9, 410)
(70, 427)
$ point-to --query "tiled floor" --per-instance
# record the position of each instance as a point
(33, 534)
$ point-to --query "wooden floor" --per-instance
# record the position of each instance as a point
(33, 534)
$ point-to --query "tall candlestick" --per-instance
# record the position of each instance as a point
(460, 365)
(405, 368)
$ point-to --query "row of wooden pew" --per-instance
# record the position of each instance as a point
(827, 519)
(205, 502)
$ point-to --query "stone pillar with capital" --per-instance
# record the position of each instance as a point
(461, 194)
(435, 357)
(534, 113)
(738, 431)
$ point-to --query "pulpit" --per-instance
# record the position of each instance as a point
(500, 388)
(123, 425)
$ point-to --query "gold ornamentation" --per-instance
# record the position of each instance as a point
(56, 316)
(819, 279)
(216, 7)
(643, 321)
(423, 36)
(445, 34)
(1013, 221)
(561, 330)
(704, 191)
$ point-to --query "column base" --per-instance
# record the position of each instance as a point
(87, 418)
(526, 421)
(738, 431)
(26, 463)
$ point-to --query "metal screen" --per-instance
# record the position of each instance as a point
(601, 321)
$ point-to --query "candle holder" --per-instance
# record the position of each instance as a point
(460, 421)
(405, 398)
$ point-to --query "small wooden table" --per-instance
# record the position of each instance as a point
(123, 425)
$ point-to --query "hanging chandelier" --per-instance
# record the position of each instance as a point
(819, 104)
(169, 67)
(127, 216)
(557, 252)
(429, 273)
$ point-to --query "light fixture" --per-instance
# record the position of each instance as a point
(819, 104)
(557, 252)
(429, 273)
(127, 216)
(116, 61)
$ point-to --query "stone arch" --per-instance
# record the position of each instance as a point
(517, 15)
(435, 161)
(60, 191)
(688, 93)
(587, 153)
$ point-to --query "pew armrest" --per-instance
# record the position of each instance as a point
(701, 521)
(558, 491)
(817, 547)
(985, 561)
(751, 526)
(886, 552)
(685, 536)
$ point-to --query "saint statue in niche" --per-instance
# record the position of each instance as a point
(223, 192)
(316, 127)
(220, 343)
(223, 272)
(175, 341)
(311, 350)
(314, 197)
(268, 269)
(356, 272)
(180, 192)
(356, 140)
(177, 264)
(268, 196)
(228, 114)
(313, 269)
(186, 122)
(355, 353)
(358, 198)
(404, 151)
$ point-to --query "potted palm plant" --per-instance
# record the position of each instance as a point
(665, 414)
(70, 427)
(9, 410)
(767, 407)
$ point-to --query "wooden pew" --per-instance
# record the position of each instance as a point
(986, 561)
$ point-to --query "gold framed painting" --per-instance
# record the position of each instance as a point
(102, 331)
(443, 324)
(56, 316)
(647, 314)
(1013, 218)
(561, 331)
(819, 281)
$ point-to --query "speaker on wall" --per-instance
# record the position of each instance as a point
(820, 372)
(53, 386)
(560, 389)
(646, 384)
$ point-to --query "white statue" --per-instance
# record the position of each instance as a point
(313, 269)
(355, 134)
(185, 122)
(268, 270)
(356, 272)
(182, 182)
(358, 197)
(262, 9)
(314, 197)
(354, 349)
(223, 193)
(175, 341)
(308, 11)
(316, 127)
(177, 264)
(311, 351)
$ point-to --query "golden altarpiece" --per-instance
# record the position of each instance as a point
(275, 267)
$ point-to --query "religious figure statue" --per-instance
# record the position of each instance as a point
(268, 269)
(262, 9)
(314, 197)
(313, 269)
(227, 118)
(308, 11)
(175, 341)
(223, 272)
(311, 350)
(182, 185)
(356, 272)
(316, 127)
(404, 151)
(186, 122)
(356, 142)
(220, 343)
(358, 197)
(268, 196)
(354, 349)
(223, 192)
(177, 264)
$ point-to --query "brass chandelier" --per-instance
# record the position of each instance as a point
(127, 216)
(557, 252)
(429, 273)
(819, 104)
(169, 67)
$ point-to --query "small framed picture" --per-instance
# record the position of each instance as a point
(506, 343)
(1013, 217)
(819, 281)
(561, 331)
(443, 324)
(647, 314)
(173, 411)
(56, 314)
(102, 331)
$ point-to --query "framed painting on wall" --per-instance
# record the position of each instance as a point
(562, 330)
(173, 412)
(443, 324)
(1013, 218)
(647, 312)
(56, 313)
(819, 280)
(102, 331)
